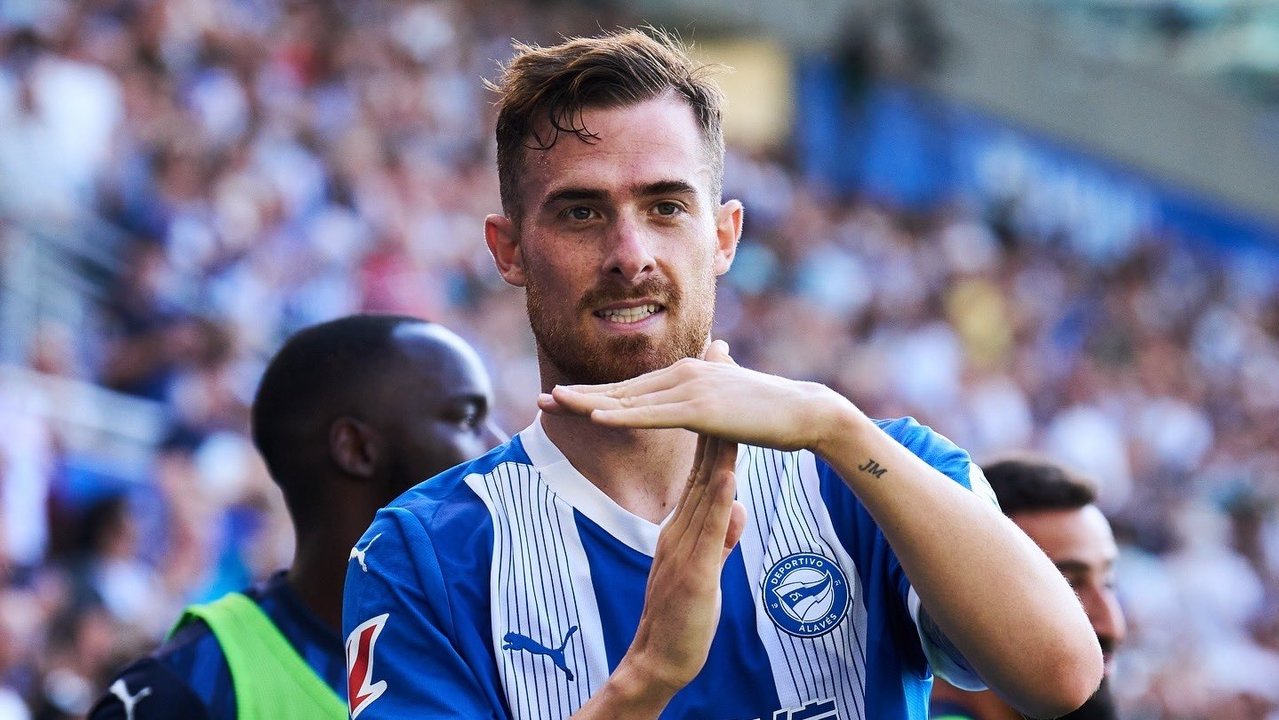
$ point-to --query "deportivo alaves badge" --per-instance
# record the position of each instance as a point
(806, 594)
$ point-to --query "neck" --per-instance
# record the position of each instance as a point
(315, 578)
(320, 562)
(644, 471)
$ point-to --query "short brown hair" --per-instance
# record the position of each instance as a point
(1027, 482)
(555, 84)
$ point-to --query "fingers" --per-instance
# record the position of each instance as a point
(736, 525)
(648, 382)
(547, 404)
(658, 399)
(584, 403)
(679, 521)
(699, 495)
(697, 527)
(718, 352)
(716, 517)
(668, 415)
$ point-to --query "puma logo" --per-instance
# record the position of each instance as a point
(120, 690)
(358, 554)
(516, 641)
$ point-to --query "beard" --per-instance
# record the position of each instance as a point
(1101, 706)
(584, 358)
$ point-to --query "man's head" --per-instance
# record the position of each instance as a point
(543, 92)
(370, 404)
(1057, 509)
(610, 159)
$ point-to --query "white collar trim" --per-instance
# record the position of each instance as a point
(571, 486)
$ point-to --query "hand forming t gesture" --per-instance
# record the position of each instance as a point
(714, 397)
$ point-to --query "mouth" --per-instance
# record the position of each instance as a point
(629, 315)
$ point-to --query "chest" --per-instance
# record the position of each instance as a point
(567, 595)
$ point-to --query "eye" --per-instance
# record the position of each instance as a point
(469, 416)
(579, 213)
(668, 208)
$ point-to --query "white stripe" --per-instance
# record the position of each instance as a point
(786, 516)
(540, 587)
(565, 481)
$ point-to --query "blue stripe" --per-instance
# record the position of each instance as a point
(763, 489)
(620, 574)
(851, 635)
(795, 535)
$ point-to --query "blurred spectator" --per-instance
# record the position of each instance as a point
(1056, 508)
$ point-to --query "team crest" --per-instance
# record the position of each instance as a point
(806, 594)
(360, 688)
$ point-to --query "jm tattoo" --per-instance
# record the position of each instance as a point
(872, 468)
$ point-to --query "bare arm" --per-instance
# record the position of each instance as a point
(994, 594)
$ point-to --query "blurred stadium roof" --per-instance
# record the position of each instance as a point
(1234, 42)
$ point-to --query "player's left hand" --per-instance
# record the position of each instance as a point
(715, 397)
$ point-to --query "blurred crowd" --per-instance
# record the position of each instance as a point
(215, 174)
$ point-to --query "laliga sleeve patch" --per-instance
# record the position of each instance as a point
(360, 688)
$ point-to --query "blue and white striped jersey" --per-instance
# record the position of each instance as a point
(511, 587)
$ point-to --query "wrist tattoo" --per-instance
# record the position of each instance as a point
(872, 468)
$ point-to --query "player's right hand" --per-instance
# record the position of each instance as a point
(682, 600)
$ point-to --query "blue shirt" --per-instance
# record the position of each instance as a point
(511, 587)
(187, 677)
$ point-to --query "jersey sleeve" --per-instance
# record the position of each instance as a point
(148, 690)
(943, 657)
(402, 657)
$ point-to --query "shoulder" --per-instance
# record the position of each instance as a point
(452, 489)
(448, 513)
(930, 446)
(149, 689)
(437, 529)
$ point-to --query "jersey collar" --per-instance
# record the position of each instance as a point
(572, 487)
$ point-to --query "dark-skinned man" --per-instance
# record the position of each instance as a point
(349, 414)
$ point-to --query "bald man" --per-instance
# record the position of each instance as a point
(1057, 509)
(349, 414)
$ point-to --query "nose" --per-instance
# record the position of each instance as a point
(630, 256)
(1106, 616)
(494, 434)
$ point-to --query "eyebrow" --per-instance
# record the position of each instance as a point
(666, 187)
(660, 187)
(573, 194)
(1079, 566)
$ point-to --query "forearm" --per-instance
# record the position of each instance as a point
(628, 694)
(993, 593)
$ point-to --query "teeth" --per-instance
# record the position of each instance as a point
(629, 315)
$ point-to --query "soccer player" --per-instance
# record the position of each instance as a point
(1057, 509)
(349, 414)
(675, 535)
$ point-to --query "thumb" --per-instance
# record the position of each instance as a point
(736, 525)
(717, 351)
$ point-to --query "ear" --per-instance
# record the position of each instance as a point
(502, 236)
(728, 230)
(354, 446)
